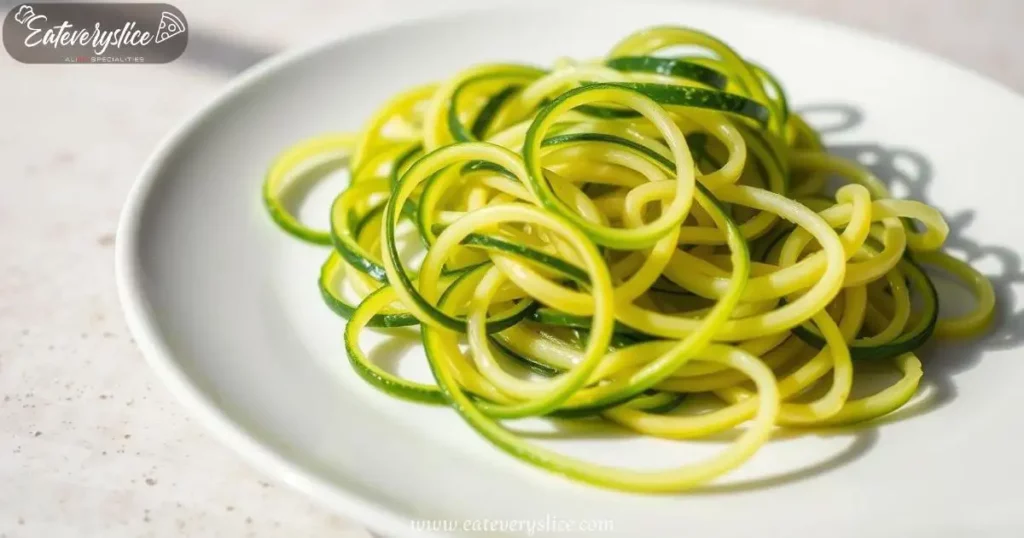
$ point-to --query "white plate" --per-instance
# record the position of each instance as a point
(225, 305)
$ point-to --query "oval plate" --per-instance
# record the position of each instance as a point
(226, 309)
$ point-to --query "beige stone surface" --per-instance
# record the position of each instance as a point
(90, 442)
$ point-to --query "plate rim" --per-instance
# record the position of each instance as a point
(148, 335)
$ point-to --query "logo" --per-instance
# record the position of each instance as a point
(45, 33)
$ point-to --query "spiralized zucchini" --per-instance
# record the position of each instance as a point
(603, 238)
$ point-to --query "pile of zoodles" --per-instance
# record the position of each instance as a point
(601, 239)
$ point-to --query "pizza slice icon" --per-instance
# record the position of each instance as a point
(170, 26)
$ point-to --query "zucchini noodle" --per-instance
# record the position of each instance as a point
(603, 238)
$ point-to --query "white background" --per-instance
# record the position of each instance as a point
(90, 442)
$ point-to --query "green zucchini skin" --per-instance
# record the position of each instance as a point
(459, 132)
(339, 306)
(688, 96)
(344, 245)
(673, 67)
(906, 342)
(490, 110)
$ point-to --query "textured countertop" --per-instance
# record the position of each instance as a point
(90, 442)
